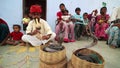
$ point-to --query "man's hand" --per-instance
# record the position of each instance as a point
(46, 37)
(34, 32)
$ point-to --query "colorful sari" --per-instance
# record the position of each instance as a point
(101, 26)
(114, 36)
(4, 30)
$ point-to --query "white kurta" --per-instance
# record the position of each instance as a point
(45, 30)
(115, 14)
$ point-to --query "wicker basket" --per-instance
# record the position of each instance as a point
(52, 57)
(69, 65)
(62, 64)
(79, 63)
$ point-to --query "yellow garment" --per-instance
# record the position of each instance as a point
(101, 21)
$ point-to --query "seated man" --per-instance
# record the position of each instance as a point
(38, 31)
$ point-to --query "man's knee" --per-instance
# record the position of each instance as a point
(24, 38)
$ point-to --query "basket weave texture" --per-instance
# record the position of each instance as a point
(79, 63)
(52, 57)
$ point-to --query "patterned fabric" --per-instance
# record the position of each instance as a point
(101, 26)
(114, 36)
(93, 21)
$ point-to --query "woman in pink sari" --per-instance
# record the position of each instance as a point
(102, 24)
(63, 25)
(59, 25)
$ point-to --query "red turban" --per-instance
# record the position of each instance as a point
(35, 8)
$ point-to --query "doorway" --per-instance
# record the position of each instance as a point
(28, 3)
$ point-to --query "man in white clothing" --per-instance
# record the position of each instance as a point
(115, 14)
(38, 31)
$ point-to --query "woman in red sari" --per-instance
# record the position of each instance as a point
(102, 24)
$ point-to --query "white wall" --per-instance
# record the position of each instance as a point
(85, 5)
(11, 11)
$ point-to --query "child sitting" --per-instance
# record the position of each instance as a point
(15, 36)
(25, 20)
(78, 20)
(86, 24)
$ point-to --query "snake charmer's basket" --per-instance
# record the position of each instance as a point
(76, 62)
(69, 65)
(52, 57)
(62, 64)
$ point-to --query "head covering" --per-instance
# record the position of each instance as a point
(4, 30)
(2, 21)
(35, 8)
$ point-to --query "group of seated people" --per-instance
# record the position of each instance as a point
(77, 25)
(72, 27)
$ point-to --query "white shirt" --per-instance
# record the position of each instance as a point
(115, 14)
(45, 28)
(66, 17)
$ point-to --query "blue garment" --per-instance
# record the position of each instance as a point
(114, 36)
(78, 29)
(79, 17)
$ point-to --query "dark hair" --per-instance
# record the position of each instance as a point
(84, 13)
(77, 9)
(65, 11)
(62, 4)
(116, 21)
(17, 26)
(102, 9)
